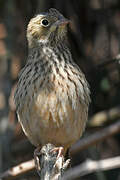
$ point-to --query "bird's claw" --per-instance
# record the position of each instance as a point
(59, 150)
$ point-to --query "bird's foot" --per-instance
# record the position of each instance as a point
(37, 153)
(60, 151)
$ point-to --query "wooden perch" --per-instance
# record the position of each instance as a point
(91, 166)
(82, 144)
(50, 166)
(19, 170)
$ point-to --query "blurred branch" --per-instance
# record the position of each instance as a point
(91, 166)
(96, 137)
(102, 117)
(18, 170)
(113, 60)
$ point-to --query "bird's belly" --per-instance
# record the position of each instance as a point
(46, 119)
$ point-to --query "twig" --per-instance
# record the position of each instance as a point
(18, 170)
(91, 166)
(95, 138)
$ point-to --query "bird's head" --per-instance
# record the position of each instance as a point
(49, 27)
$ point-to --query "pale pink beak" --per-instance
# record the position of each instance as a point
(62, 22)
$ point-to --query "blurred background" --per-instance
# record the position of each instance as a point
(94, 37)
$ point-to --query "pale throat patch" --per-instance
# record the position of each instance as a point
(43, 41)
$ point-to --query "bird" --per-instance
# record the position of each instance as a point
(52, 96)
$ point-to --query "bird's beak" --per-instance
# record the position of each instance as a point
(62, 22)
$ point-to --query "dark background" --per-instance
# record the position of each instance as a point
(94, 38)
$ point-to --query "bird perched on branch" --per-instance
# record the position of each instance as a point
(52, 94)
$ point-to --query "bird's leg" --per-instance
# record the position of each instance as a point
(60, 151)
(36, 154)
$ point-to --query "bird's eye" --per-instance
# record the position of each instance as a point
(45, 22)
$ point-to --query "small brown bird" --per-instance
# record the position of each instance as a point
(52, 94)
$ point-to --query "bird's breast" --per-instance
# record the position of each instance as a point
(54, 109)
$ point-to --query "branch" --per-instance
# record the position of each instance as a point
(82, 144)
(116, 60)
(91, 166)
(49, 166)
(102, 117)
(18, 170)
(95, 138)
